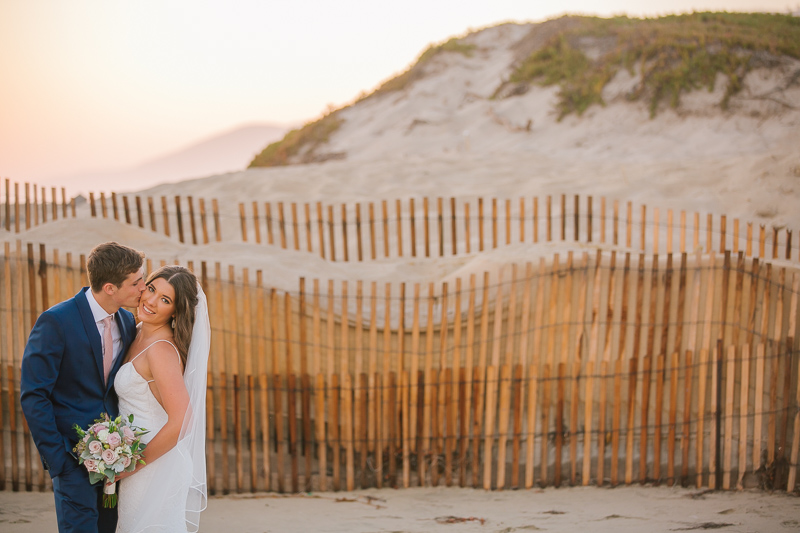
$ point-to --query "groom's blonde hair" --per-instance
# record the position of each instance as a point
(112, 262)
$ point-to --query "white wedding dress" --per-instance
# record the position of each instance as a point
(136, 398)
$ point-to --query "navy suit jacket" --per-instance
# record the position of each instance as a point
(62, 381)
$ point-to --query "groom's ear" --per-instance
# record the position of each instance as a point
(109, 288)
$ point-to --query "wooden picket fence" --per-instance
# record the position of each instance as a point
(438, 227)
(182, 222)
(20, 213)
(413, 227)
(601, 368)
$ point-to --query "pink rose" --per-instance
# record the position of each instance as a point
(91, 465)
(95, 447)
(109, 456)
(130, 436)
(114, 440)
(126, 461)
(97, 428)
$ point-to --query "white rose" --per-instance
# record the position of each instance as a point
(102, 435)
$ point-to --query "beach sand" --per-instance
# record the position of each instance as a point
(574, 509)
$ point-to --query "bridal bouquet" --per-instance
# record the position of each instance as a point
(107, 448)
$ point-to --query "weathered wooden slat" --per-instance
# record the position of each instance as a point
(489, 425)
(730, 381)
(545, 425)
(335, 431)
(448, 412)
(630, 425)
(405, 428)
(503, 424)
(530, 424)
(319, 429)
(516, 407)
(602, 416)
(687, 418)
(791, 482)
(347, 429)
(616, 422)
(673, 417)
(586, 473)
(647, 362)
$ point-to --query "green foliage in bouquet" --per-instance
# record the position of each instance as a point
(107, 448)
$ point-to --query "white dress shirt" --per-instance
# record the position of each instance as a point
(99, 314)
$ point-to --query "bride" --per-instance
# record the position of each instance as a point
(163, 384)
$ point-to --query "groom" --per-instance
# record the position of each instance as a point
(68, 369)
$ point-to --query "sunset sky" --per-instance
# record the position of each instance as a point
(89, 84)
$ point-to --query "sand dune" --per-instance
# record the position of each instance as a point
(443, 136)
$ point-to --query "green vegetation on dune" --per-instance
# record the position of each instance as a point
(306, 139)
(453, 44)
(671, 55)
(416, 71)
(668, 56)
(296, 141)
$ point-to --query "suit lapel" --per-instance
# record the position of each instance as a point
(90, 327)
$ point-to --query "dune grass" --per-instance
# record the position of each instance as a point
(671, 55)
(416, 71)
(305, 139)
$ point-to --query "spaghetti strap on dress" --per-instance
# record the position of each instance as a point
(150, 346)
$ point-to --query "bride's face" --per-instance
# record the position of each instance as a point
(157, 305)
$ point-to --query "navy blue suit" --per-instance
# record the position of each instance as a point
(62, 385)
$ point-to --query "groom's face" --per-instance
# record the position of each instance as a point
(128, 294)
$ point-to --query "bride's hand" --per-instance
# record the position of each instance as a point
(123, 475)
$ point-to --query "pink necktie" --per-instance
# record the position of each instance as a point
(108, 347)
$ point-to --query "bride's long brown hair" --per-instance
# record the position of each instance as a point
(184, 282)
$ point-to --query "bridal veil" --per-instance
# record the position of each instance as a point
(192, 439)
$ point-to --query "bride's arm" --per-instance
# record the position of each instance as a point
(165, 367)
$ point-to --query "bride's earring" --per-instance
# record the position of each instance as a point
(173, 323)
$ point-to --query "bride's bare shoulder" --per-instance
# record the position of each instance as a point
(164, 354)
(163, 347)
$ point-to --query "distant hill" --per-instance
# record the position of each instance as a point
(538, 87)
(225, 152)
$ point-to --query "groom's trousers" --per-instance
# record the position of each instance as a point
(79, 505)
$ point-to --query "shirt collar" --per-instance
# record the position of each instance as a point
(97, 311)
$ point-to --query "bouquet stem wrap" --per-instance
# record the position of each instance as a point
(110, 495)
